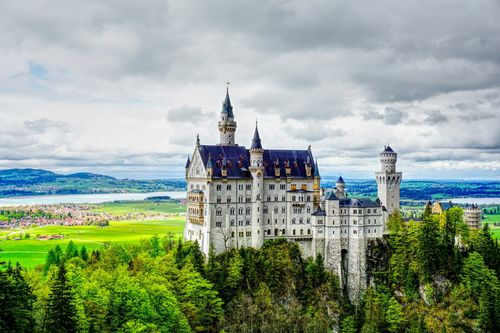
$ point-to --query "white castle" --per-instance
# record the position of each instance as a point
(239, 197)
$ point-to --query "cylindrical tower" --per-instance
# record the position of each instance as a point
(389, 180)
(257, 171)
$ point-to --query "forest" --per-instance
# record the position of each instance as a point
(430, 276)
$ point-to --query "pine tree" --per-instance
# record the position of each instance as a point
(71, 250)
(61, 311)
(84, 254)
(16, 301)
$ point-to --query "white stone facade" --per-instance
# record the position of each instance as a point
(238, 197)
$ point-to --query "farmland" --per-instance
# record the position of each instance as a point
(29, 251)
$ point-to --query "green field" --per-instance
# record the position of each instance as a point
(30, 252)
(126, 207)
(491, 219)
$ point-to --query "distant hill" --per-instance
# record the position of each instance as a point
(24, 182)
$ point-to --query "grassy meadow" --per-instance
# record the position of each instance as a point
(31, 252)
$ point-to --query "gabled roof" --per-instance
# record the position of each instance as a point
(319, 212)
(445, 205)
(358, 202)
(330, 195)
(234, 158)
(295, 159)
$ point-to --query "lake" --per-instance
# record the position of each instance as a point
(84, 198)
(478, 201)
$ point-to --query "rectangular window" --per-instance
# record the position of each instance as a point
(249, 186)
(228, 187)
(272, 186)
(219, 187)
(282, 186)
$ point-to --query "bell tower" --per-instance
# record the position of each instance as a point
(388, 180)
(227, 125)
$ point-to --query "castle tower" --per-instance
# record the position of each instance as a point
(316, 186)
(227, 125)
(388, 180)
(257, 171)
(340, 185)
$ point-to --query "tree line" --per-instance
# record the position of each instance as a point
(438, 276)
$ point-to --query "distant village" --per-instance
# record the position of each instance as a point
(33, 216)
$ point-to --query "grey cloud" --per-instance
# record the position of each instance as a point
(43, 124)
(393, 116)
(371, 115)
(435, 117)
(185, 113)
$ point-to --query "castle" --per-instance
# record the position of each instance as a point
(239, 197)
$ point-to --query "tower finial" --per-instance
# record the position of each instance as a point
(197, 139)
(227, 87)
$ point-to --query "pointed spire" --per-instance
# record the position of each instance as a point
(316, 169)
(209, 161)
(197, 139)
(188, 162)
(256, 143)
(340, 180)
(226, 106)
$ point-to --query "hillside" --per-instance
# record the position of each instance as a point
(24, 182)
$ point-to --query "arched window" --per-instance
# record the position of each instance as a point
(293, 221)
(308, 198)
(293, 198)
(232, 211)
(248, 210)
(240, 210)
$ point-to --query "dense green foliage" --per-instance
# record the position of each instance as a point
(439, 277)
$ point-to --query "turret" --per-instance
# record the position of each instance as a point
(388, 180)
(340, 185)
(227, 125)
(257, 171)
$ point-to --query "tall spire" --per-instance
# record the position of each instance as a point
(226, 106)
(188, 162)
(256, 143)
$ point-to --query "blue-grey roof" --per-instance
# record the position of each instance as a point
(445, 205)
(227, 107)
(388, 149)
(256, 143)
(236, 160)
(330, 195)
(319, 212)
(316, 169)
(340, 180)
(358, 202)
(188, 162)
(295, 159)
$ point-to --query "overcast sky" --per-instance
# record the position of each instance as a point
(122, 87)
